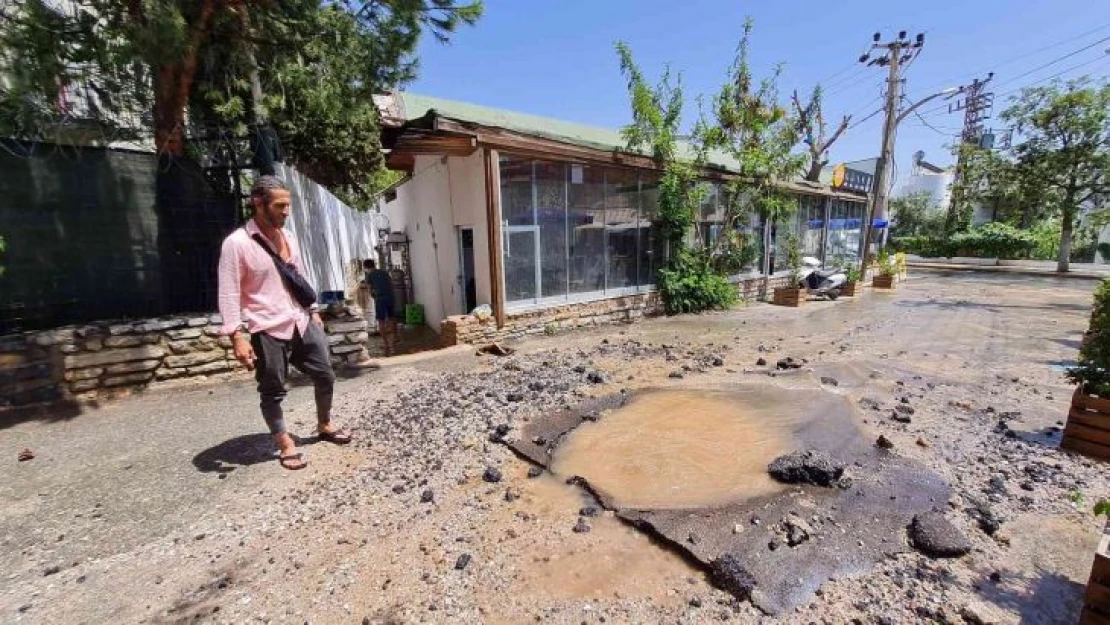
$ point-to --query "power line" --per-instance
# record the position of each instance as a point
(1055, 61)
(930, 126)
(847, 86)
(1056, 75)
(936, 112)
(838, 73)
(1026, 55)
(867, 105)
(876, 112)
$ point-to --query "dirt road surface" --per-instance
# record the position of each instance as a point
(169, 506)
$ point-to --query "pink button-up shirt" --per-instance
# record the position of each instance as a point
(251, 290)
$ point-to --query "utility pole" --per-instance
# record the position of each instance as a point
(976, 107)
(894, 54)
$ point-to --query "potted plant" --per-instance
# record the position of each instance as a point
(852, 279)
(885, 278)
(793, 294)
(1088, 427)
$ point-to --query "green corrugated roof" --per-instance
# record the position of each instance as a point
(416, 106)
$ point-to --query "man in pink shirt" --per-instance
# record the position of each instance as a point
(269, 329)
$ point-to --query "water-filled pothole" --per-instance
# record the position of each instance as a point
(687, 464)
(689, 448)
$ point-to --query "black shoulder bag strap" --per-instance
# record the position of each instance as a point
(295, 283)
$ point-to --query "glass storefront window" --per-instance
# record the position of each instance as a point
(650, 245)
(573, 231)
(551, 216)
(520, 235)
(622, 214)
(586, 223)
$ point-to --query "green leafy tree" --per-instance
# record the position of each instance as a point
(688, 282)
(1064, 156)
(755, 130)
(308, 67)
(656, 121)
(993, 181)
(916, 215)
(813, 132)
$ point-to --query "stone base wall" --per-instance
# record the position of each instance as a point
(460, 329)
(109, 359)
(753, 289)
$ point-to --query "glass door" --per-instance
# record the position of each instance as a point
(522, 262)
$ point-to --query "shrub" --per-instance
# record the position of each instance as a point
(1093, 370)
(993, 240)
(886, 267)
(793, 259)
(1084, 241)
(929, 247)
(1104, 251)
(734, 253)
(690, 285)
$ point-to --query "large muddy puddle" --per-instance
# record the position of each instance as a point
(686, 463)
(682, 448)
(690, 448)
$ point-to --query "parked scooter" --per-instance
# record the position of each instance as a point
(821, 282)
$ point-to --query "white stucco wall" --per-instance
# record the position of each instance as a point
(937, 186)
(443, 194)
(468, 192)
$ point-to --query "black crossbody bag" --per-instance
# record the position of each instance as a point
(297, 286)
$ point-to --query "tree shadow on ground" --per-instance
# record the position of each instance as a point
(1071, 343)
(1042, 597)
(49, 413)
(242, 451)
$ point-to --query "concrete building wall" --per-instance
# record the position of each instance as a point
(444, 193)
(468, 191)
(938, 187)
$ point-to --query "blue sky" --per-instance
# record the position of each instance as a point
(555, 57)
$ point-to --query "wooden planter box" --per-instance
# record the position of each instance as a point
(789, 297)
(1088, 428)
(882, 282)
(850, 289)
(1096, 601)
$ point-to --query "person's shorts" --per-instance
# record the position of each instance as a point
(383, 309)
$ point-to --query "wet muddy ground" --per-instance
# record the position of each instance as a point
(168, 508)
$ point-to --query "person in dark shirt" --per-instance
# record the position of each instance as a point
(381, 289)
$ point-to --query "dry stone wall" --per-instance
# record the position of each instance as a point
(468, 329)
(103, 360)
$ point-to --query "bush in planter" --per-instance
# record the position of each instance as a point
(689, 285)
(1093, 371)
(886, 267)
(793, 260)
(852, 274)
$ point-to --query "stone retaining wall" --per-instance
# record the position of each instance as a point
(109, 359)
(460, 329)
